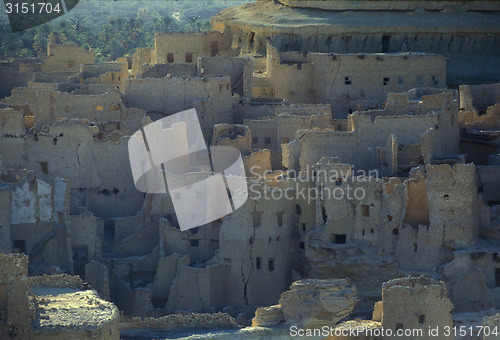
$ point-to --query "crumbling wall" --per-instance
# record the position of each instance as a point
(264, 133)
(187, 47)
(210, 96)
(416, 303)
(48, 105)
(162, 70)
(256, 248)
(359, 146)
(239, 70)
(14, 303)
(143, 55)
(480, 106)
(12, 77)
(40, 218)
(52, 77)
(343, 79)
(72, 150)
(237, 136)
(197, 289)
(66, 58)
(105, 73)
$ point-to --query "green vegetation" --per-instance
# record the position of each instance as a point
(112, 28)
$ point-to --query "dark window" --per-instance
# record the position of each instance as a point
(256, 216)
(258, 262)
(435, 80)
(347, 80)
(497, 276)
(386, 81)
(3, 297)
(399, 326)
(279, 215)
(298, 210)
(401, 80)
(21, 245)
(386, 41)
(267, 140)
(270, 265)
(365, 210)
(339, 238)
(45, 167)
(170, 57)
(195, 243)
(421, 318)
(189, 57)
(304, 227)
(302, 245)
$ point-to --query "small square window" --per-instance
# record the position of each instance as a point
(401, 80)
(421, 318)
(170, 58)
(386, 81)
(195, 243)
(267, 140)
(347, 81)
(189, 57)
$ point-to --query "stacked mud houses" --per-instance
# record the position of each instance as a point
(365, 161)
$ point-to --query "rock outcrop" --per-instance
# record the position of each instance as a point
(310, 303)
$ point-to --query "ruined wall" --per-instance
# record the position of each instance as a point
(480, 106)
(14, 302)
(39, 219)
(416, 303)
(264, 133)
(162, 70)
(52, 77)
(256, 247)
(105, 73)
(12, 78)
(358, 147)
(66, 58)
(143, 55)
(344, 79)
(73, 150)
(210, 96)
(187, 47)
(239, 70)
(48, 105)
